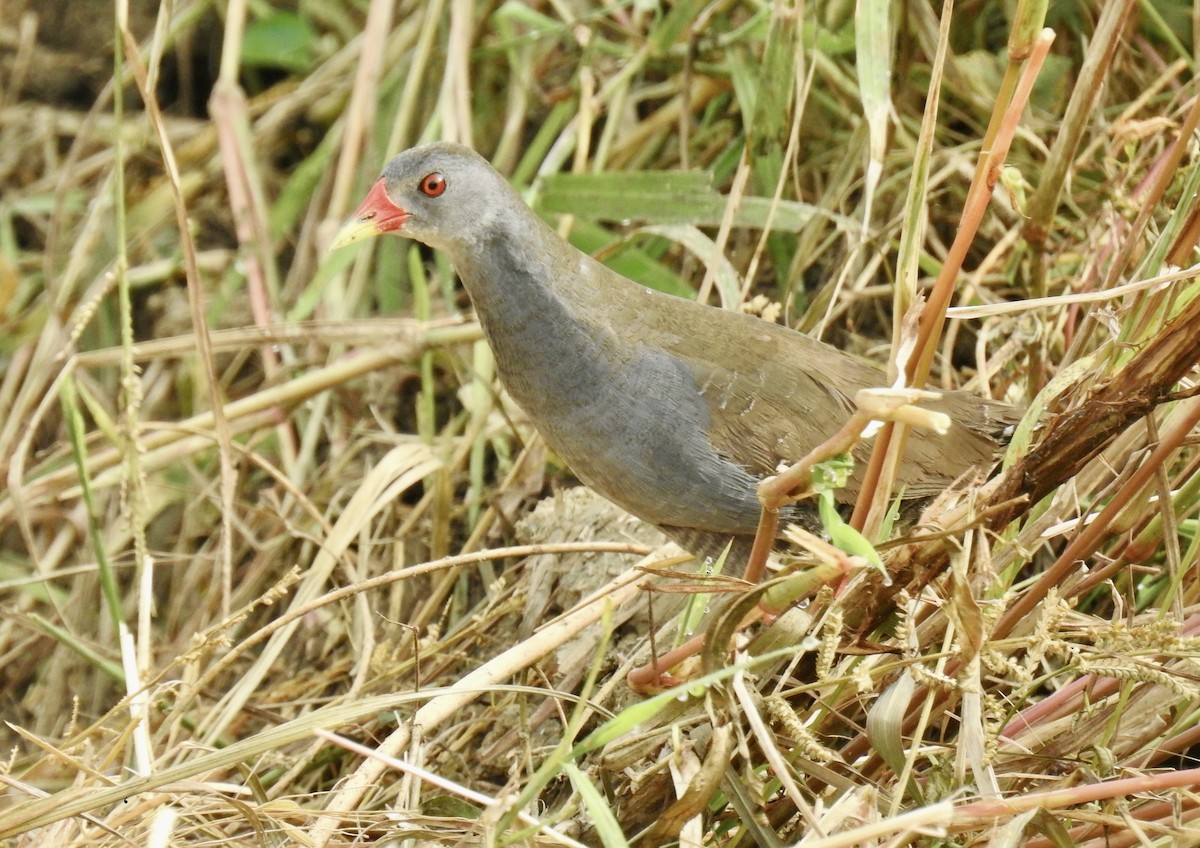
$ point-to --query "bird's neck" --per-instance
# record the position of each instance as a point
(547, 346)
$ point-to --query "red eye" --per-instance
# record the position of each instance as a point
(432, 185)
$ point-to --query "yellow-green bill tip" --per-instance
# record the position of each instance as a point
(354, 231)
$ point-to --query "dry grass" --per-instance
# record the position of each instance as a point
(267, 527)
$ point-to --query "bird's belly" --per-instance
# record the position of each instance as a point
(663, 491)
(647, 451)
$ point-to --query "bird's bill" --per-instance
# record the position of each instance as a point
(377, 215)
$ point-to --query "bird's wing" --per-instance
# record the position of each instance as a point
(774, 394)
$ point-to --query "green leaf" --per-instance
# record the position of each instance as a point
(729, 285)
(845, 536)
(697, 605)
(599, 812)
(447, 806)
(635, 264)
(828, 477)
(668, 197)
(280, 40)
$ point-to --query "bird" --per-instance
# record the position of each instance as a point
(672, 409)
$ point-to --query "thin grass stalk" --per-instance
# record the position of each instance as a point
(454, 106)
(228, 479)
(554, 763)
(1028, 20)
(1088, 84)
(227, 108)
(361, 112)
(1155, 307)
(402, 134)
(136, 650)
(75, 429)
(875, 33)
(878, 482)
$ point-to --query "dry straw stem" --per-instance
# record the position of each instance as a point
(405, 340)
(439, 710)
(434, 779)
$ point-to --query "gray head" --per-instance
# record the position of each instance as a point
(444, 195)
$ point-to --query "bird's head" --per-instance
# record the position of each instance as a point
(439, 194)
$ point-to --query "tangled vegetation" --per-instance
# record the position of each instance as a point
(281, 564)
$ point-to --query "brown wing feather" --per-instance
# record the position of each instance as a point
(777, 393)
